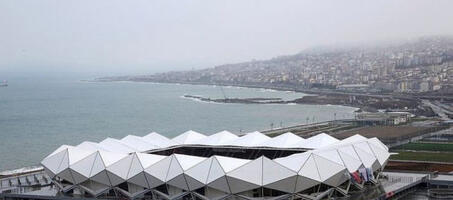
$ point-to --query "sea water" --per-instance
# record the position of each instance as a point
(39, 115)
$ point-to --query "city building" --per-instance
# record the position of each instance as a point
(383, 118)
(354, 87)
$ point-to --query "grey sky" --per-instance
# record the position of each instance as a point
(145, 36)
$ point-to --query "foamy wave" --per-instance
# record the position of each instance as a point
(198, 100)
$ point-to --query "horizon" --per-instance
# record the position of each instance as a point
(104, 38)
(57, 73)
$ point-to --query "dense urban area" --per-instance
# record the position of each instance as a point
(414, 76)
(421, 65)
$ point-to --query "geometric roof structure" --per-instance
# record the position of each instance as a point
(138, 143)
(188, 137)
(127, 166)
(220, 138)
(353, 138)
(284, 140)
(159, 140)
(114, 145)
(317, 141)
(91, 145)
(250, 139)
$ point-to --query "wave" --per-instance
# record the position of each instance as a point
(198, 100)
(268, 90)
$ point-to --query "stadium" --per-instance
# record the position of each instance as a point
(219, 166)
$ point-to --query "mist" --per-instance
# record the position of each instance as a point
(112, 37)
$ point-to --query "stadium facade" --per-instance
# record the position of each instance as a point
(219, 166)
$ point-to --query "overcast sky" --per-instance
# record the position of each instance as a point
(146, 36)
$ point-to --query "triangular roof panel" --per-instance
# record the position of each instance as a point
(330, 154)
(114, 145)
(149, 159)
(135, 168)
(200, 171)
(188, 137)
(76, 154)
(378, 143)
(310, 170)
(327, 168)
(174, 169)
(286, 140)
(250, 139)
(121, 167)
(84, 166)
(251, 172)
(366, 158)
(317, 141)
(159, 140)
(91, 146)
(187, 161)
(108, 158)
(295, 161)
(98, 165)
(53, 161)
(138, 143)
(274, 172)
(354, 138)
(59, 149)
(215, 171)
(381, 155)
(159, 169)
(228, 164)
(351, 163)
(220, 138)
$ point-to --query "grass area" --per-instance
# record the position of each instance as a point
(422, 146)
(424, 156)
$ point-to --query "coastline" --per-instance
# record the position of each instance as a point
(284, 89)
(327, 96)
(367, 102)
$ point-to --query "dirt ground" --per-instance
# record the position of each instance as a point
(384, 132)
(419, 166)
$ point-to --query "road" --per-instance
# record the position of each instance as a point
(439, 110)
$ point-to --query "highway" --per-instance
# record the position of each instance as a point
(438, 109)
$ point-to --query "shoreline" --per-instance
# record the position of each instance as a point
(364, 102)
(306, 93)
(312, 97)
(283, 89)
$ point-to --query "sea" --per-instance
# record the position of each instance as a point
(39, 115)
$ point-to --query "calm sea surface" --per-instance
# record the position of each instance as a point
(37, 116)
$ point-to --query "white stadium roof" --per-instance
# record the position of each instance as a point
(188, 137)
(317, 141)
(159, 140)
(286, 140)
(250, 139)
(115, 145)
(220, 138)
(99, 167)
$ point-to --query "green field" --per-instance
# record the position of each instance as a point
(424, 156)
(419, 146)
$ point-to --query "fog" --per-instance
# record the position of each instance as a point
(111, 37)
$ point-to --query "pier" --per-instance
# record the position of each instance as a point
(401, 184)
(398, 184)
